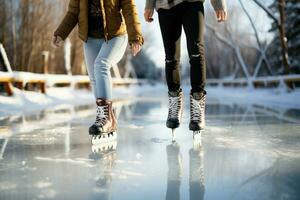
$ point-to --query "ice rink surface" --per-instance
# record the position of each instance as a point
(247, 151)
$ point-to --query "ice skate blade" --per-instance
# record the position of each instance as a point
(104, 138)
(173, 135)
(197, 139)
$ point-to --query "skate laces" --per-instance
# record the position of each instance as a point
(174, 106)
(102, 115)
(196, 107)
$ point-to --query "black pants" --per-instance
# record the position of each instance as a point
(190, 16)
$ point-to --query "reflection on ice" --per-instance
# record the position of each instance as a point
(76, 161)
(174, 171)
(196, 177)
(196, 170)
(197, 139)
(275, 141)
(245, 152)
(106, 154)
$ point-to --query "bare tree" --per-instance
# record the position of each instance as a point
(26, 29)
(283, 40)
(261, 49)
(280, 25)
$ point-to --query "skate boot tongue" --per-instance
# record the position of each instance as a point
(198, 95)
(174, 93)
(101, 102)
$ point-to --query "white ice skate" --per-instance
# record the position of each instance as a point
(175, 110)
(105, 126)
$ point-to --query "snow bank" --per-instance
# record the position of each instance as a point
(6, 75)
(269, 97)
(29, 101)
(27, 76)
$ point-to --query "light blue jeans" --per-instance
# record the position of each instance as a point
(100, 56)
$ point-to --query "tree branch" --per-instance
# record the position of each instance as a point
(269, 12)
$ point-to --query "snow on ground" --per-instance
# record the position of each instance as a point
(264, 97)
(28, 101)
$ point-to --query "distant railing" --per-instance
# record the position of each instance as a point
(258, 82)
(23, 80)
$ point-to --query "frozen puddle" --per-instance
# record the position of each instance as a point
(246, 152)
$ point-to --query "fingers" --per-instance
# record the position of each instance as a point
(135, 49)
(221, 15)
(148, 15)
(56, 41)
(225, 15)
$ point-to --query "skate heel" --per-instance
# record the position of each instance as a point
(94, 130)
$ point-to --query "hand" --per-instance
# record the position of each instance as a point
(135, 48)
(148, 14)
(57, 42)
(221, 15)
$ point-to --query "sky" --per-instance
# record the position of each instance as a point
(156, 51)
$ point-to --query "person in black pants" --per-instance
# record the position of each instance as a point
(173, 15)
